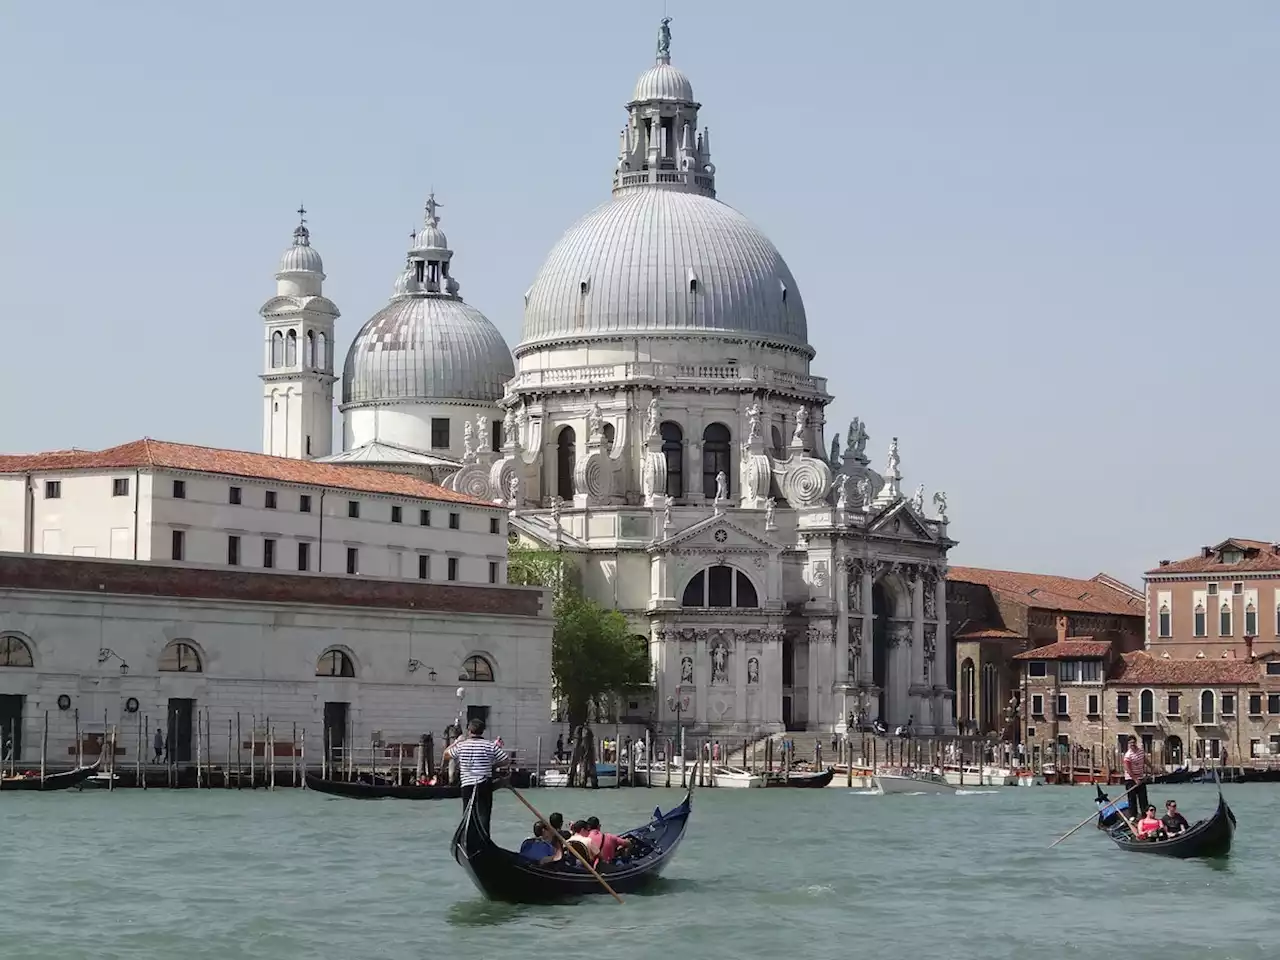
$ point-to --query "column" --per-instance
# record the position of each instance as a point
(738, 652)
(818, 651)
(841, 645)
(868, 622)
(701, 677)
(917, 694)
(942, 657)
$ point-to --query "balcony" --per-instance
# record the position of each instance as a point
(674, 374)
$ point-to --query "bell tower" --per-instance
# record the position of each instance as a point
(297, 377)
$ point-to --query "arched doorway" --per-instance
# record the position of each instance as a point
(880, 646)
(565, 463)
(1173, 750)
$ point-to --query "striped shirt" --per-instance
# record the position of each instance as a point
(476, 759)
(1135, 764)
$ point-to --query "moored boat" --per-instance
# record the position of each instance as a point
(50, 781)
(606, 776)
(506, 876)
(735, 777)
(912, 781)
(804, 780)
(357, 790)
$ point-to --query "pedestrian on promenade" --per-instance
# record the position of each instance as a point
(158, 744)
(478, 761)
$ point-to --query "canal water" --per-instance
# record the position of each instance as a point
(216, 875)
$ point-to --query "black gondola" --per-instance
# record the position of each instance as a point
(1206, 838)
(806, 780)
(510, 878)
(51, 781)
(381, 791)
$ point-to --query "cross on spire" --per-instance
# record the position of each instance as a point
(302, 215)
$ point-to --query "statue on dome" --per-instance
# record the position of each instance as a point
(433, 218)
(769, 506)
(940, 501)
(917, 499)
(509, 425)
(482, 429)
(667, 503)
(835, 449)
(664, 39)
(513, 490)
(895, 461)
(842, 495)
(857, 437)
(722, 487)
(802, 421)
(467, 451)
(595, 421)
(753, 422)
(864, 494)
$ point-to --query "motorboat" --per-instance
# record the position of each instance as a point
(735, 777)
(971, 775)
(606, 776)
(912, 781)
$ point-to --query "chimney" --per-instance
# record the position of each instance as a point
(1164, 563)
(1062, 627)
(1206, 552)
(1248, 649)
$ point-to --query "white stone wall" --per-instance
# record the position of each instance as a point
(88, 520)
(259, 660)
(409, 425)
(13, 512)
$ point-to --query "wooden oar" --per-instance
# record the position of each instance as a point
(1077, 827)
(568, 846)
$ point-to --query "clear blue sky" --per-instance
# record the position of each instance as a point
(1036, 240)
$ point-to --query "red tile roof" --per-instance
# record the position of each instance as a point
(1141, 667)
(1101, 594)
(141, 454)
(990, 633)
(1075, 649)
(1259, 556)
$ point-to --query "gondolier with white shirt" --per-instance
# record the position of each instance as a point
(478, 761)
(1135, 777)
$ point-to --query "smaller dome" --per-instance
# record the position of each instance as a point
(430, 237)
(662, 81)
(301, 257)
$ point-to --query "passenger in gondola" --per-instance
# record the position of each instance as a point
(557, 824)
(1150, 827)
(1174, 822)
(541, 847)
(580, 837)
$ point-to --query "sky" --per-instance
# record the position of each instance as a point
(1036, 241)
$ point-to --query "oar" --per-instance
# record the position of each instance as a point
(568, 846)
(1075, 828)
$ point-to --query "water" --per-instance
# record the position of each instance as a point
(218, 875)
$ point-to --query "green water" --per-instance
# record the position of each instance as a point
(761, 873)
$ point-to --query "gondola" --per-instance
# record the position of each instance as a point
(510, 878)
(381, 791)
(1208, 838)
(51, 781)
(812, 780)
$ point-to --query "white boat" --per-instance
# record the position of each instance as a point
(912, 781)
(734, 777)
(606, 776)
(980, 776)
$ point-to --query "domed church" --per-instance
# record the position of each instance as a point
(662, 423)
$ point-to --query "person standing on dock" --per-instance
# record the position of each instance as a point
(478, 760)
(158, 744)
(1135, 776)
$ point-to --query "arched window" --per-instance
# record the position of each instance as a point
(1146, 707)
(720, 586)
(476, 669)
(1173, 750)
(673, 450)
(715, 458)
(1200, 626)
(1250, 620)
(609, 434)
(277, 349)
(1224, 619)
(335, 663)
(495, 431)
(565, 462)
(14, 652)
(291, 348)
(1206, 706)
(1166, 621)
(779, 451)
(180, 657)
(322, 352)
(309, 350)
(968, 696)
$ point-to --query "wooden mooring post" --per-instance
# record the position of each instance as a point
(302, 758)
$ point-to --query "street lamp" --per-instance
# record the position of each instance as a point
(106, 653)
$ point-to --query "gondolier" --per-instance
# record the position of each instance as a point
(478, 761)
(1135, 776)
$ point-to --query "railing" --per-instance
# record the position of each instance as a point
(667, 372)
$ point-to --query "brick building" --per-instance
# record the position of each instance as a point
(994, 615)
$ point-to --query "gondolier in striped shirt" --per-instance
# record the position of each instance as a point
(478, 762)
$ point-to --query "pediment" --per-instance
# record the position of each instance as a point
(718, 535)
(902, 522)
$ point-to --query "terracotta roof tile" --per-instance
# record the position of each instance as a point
(1259, 555)
(1141, 667)
(1100, 594)
(1074, 649)
(144, 453)
(990, 633)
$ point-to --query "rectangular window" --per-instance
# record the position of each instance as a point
(1211, 589)
(1122, 705)
(1273, 668)
(1255, 748)
(179, 489)
(1255, 704)
(424, 567)
(1037, 705)
(1068, 670)
(179, 545)
(439, 433)
(233, 551)
(52, 489)
(1122, 742)
(1215, 749)
(120, 487)
(1237, 588)
(304, 503)
(269, 500)
(268, 553)
(1091, 671)
(1228, 704)
(453, 568)
(304, 556)
(1093, 704)
(1037, 668)
(1063, 705)
(455, 521)
(1273, 704)
(308, 444)
(1175, 705)
(353, 560)
(493, 572)
(353, 509)
(234, 495)
(424, 518)
(396, 514)
(495, 525)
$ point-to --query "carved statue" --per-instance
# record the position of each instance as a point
(802, 421)
(864, 494)
(651, 423)
(753, 422)
(719, 664)
(513, 489)
(686, 669)
(852, 665)
(940, 501)
(664, 38)
(666, 510)
(857, 437)
(595, 421)
(556, 504)
(895, 461)
(722, 487)
(769, 506)
(930, 597)
(855, 589)
(835, 449)
(917, 499)
(522, 415)
(467, 450)
(842, 496)
(753, 670)
(509, 425)
(482, 431)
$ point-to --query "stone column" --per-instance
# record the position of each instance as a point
(841, 583)
(941, 657)
(917, 692)
(701, 677)
(738, 652)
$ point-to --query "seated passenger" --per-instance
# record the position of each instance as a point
(1150, 825)
(540, 848)
(557, 824)
(1174, 822)
(580, 839)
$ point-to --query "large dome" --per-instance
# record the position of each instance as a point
(426, 348)
(666, 262)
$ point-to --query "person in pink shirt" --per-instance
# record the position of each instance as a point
(610, 845)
